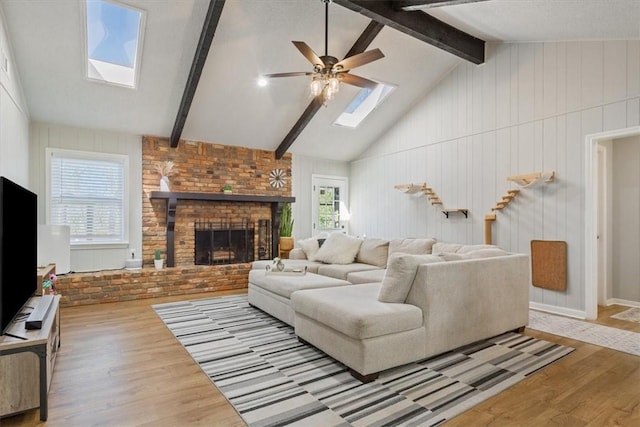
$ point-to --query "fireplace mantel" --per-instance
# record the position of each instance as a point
(171, 199)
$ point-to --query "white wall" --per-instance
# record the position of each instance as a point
(44, 136)
(625, 221)
(527, 109)
(302, 169)
(14, 117)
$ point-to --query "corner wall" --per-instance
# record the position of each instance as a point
(527, 109)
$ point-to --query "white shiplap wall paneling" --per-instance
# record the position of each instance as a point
(528, 108)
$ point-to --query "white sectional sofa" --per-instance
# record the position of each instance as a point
(418, 304)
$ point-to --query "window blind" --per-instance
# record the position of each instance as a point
(87, 194)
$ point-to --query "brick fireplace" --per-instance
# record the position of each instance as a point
(200, 171)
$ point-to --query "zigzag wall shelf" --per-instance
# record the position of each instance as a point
(432, 196)
(523, 181)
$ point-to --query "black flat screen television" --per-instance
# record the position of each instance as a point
(18, 249)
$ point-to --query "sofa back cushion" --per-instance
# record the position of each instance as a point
(374, 252)
(443, 247)
(465, 249)
(339, 248)
(411, 246)
(401, 270)
(486, 253)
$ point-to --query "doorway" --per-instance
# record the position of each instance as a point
(330, 203)
(597, 237)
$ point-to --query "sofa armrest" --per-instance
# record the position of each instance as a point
(297, 253)
(465, 301)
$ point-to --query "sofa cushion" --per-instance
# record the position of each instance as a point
(285, 285)
(411, 246)
(448, 256)
(369, 276)
(487, 253)
(400, 274)
(355, 311)
(441, 247)
(341, 271)
(339, 248)
(374, 252)
(465, 249)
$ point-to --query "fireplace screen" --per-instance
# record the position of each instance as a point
(230, 242)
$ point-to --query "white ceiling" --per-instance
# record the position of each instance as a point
(254, 37)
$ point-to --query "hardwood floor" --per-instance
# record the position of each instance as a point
(120, 366)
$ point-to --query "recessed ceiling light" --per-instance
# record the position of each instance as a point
(262, 82)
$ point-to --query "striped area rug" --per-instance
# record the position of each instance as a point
(272, 379)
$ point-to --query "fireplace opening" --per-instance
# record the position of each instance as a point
(231, 242)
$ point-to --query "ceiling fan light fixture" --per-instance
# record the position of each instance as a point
(327, 93)
(317, 84)
(328, 71)
(334, 84)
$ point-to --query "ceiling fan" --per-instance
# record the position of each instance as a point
(328, 72)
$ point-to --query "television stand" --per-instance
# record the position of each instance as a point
(26, 363)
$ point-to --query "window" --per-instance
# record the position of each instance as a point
(330, 204)
(113, 41)
(87, 192)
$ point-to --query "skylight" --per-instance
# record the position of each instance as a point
(114, 42)
(363, 104)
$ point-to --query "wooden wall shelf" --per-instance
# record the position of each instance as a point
(464, 212)
(412, 188)
(171, 199)
(531, 179)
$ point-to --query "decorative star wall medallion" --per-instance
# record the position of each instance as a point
(277, 178)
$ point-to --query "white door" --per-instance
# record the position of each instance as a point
(330, 204)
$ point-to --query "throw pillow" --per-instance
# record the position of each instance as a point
(310, 246)
(374, 252)
(338, 249)
(401, 270)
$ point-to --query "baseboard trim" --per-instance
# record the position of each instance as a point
(624, 302)
(562, 311)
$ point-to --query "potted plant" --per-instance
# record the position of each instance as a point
(227, 189)
(286, 227)
(157, 260)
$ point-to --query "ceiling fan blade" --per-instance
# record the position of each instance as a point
(359, 59)
(297, 73)
(354, 80)
(309, 53)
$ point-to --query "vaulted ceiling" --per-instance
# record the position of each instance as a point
(254, 37)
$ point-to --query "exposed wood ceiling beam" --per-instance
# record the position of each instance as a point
(199, 59)
(409, 5)
(422, 26)
(359, 46)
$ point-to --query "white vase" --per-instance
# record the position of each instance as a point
(158, 263)
(164, 183)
